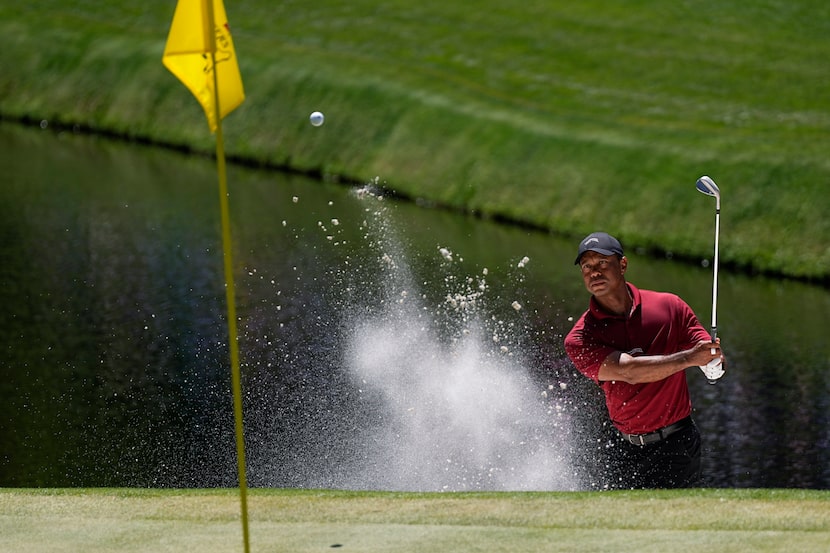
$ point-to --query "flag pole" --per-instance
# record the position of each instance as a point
(230, 294)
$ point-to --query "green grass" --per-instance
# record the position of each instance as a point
(309, 520)
(567, 116)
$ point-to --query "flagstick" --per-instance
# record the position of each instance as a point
(232, 332)
(230, 294)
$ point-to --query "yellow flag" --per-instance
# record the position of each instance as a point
(192, 55)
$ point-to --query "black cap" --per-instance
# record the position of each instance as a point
(599, 242)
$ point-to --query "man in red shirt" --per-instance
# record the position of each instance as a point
(636, 344)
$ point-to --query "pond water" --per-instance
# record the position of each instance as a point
(383, 345)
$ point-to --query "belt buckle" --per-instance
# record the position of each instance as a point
(637, 439)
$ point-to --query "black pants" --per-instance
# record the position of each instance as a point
(670, 463)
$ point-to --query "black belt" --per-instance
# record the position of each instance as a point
(658, 435)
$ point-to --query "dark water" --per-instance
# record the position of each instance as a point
(372, 358)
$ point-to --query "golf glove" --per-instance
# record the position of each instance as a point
(713, 370)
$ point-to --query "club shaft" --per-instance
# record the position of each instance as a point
(715, 277)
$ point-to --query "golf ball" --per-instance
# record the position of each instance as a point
(316, 118)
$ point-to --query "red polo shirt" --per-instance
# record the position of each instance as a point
(659, 324)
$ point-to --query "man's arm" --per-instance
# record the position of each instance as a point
(651, 368)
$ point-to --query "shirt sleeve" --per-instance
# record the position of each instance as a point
(586, 353)
(689, 321)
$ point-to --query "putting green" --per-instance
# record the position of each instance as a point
(299, 521)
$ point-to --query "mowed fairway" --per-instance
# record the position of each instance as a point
(313, 520)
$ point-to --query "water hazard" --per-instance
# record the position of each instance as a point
(384, 346)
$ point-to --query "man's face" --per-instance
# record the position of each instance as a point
(602, 274)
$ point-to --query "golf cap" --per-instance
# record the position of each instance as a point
(599, 242)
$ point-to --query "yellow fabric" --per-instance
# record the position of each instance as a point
(188, 55)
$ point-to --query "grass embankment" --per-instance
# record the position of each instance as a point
(297, 521)
(568, 116)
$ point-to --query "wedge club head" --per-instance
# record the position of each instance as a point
(708, 187)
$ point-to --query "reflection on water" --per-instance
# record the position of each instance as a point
(370, 359)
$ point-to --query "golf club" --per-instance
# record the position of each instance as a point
(706, 185)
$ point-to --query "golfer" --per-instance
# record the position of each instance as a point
(636, 344)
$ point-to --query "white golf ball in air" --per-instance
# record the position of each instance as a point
(316, 118)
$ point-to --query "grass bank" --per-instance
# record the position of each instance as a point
(568, 117)
(304, 521)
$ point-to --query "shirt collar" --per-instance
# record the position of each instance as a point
(599, 313)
